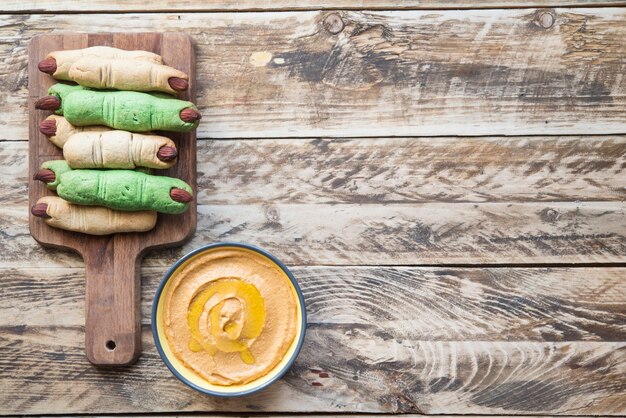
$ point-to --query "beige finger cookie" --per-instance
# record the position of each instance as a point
(58, 63)
(58, 129)
(93, 220)
(127, 75)
(119, 149)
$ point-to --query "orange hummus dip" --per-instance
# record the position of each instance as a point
(230, 315)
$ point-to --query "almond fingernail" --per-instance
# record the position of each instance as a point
(167, 153)
(46, 175)
(178, 84)
(48, 127)
(48, 103)
(180, 195)
(189, 115)
(48, 66)
(40, 210)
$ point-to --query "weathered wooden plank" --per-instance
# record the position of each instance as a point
(427, 304)
(410, 170)
(392, 170)
(53, 6)
(338, 370)
(417, 234)
(490, 233)
(403, 73)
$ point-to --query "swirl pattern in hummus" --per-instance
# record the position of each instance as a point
(230, 315)
(235, 313)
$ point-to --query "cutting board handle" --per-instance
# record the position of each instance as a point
(112, 316)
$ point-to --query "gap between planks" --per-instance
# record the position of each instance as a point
(11, 6)
(442, 266)
(305, 415)
(382, 138)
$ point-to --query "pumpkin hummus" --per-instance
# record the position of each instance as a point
(230, 315)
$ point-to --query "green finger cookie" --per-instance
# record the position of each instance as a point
(60, 166)
(122, 190)
(125, 110)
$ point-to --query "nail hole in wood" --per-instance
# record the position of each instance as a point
(110, 345)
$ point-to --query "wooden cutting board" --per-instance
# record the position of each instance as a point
(112, 316)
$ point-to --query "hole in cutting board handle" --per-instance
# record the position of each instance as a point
(110, 345)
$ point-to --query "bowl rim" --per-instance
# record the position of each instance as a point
(168, 275)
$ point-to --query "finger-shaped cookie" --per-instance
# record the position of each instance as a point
(126, 110)
(127, 75)
(117, 189)
(93, 220)
(58, 63)
(119, 149)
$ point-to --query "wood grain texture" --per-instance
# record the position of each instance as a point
(420, 340)
(392, 170)
(52, 6)
(403, 73)
(413, 170)
(432, 340)
(112, 330)
(417, 340)
(245, 196)
(338, 370)
(425, 303)
(489, 233)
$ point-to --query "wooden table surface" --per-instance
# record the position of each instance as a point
(446, 179)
